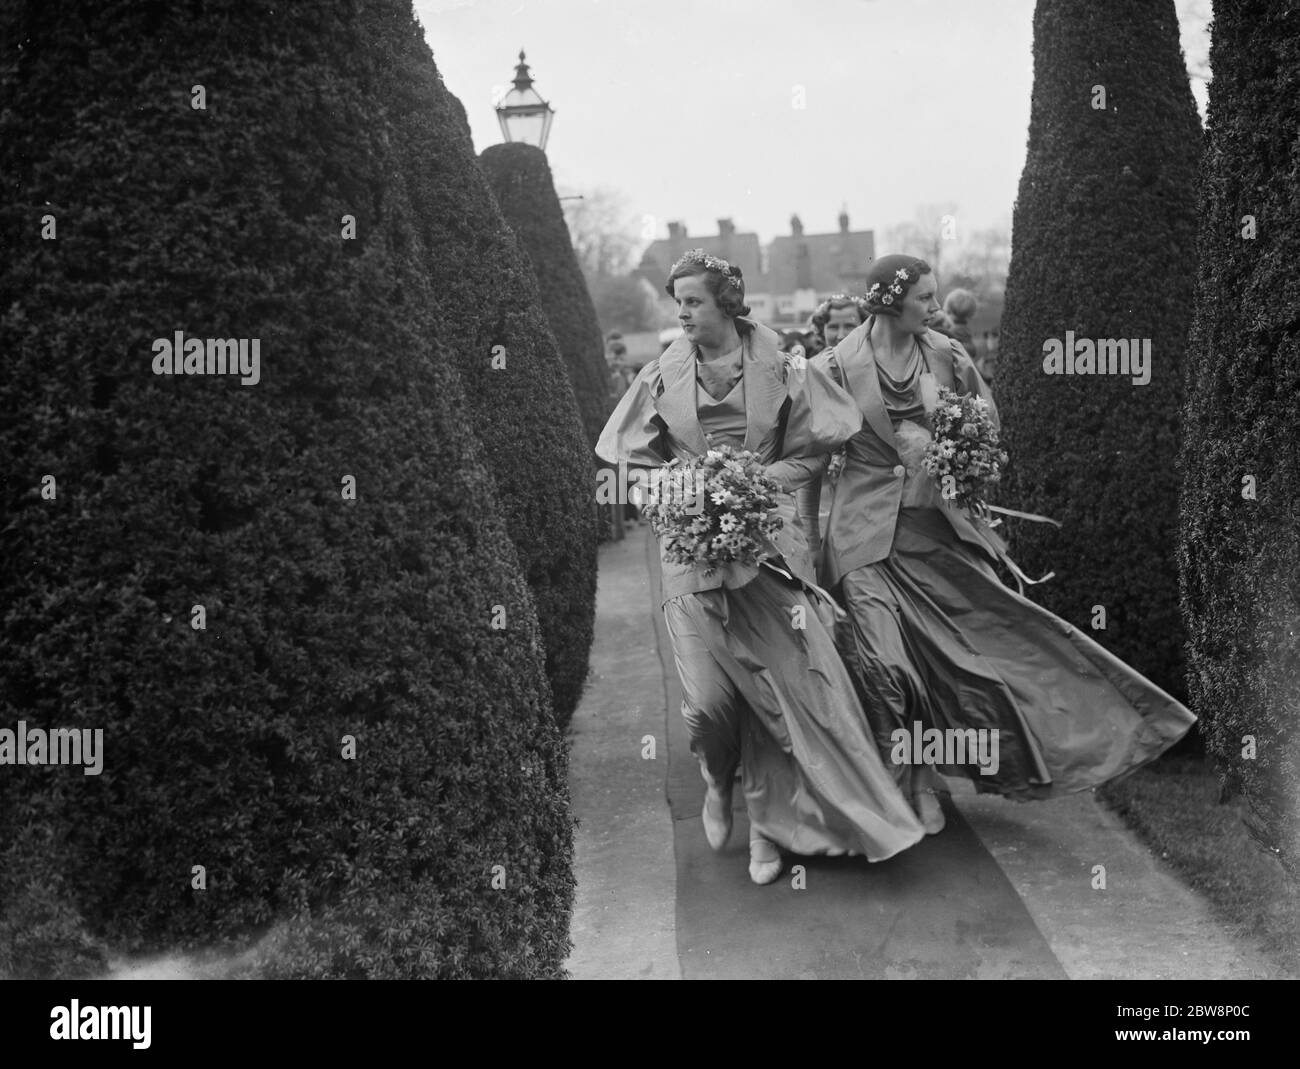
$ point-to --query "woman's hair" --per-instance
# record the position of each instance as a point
(889, 280)
(961, 305)
(721, 279)
(788, 338)
(833, 303)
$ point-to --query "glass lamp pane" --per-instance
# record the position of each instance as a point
(526, 128)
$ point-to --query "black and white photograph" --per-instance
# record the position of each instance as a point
(650, 490)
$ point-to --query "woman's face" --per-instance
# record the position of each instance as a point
(701, 319)
(842, 323)
(919, 305)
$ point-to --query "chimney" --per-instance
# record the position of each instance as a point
(675, 231)
(844, 219)
(796, 227)
(726, 228)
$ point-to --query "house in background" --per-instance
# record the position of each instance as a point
(784, 282)
(802, 270)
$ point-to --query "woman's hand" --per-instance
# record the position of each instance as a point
(838, 460)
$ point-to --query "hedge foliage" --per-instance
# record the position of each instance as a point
(488, 305)
(325, 617)
(1103, 246)
(521, 179)
(1239, 551)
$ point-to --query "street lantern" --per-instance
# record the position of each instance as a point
(523, 114)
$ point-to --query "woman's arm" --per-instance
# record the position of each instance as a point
(794, 473)
(821, 416)
(635, 433)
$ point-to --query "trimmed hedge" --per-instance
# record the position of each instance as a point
(1104, 247)
(520, 178)
(325, 617)
(1240, 557)
(488, 303)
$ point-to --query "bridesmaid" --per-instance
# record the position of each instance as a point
(833, 320)
(837, 317)
(935, 639)
(760, 691)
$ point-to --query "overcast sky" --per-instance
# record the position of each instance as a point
(702, 109)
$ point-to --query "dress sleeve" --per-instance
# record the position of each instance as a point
(794, 472)
(821, 417)
(808, 508)
(635, 432)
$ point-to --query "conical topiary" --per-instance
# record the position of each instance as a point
(1103, 255)
(279, 595)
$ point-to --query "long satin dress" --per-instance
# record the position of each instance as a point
(764, 686)
(935, 638)
(813, 780)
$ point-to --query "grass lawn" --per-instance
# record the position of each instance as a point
(1173, 806)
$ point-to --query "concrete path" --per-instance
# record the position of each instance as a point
(623, 919)
(1005, 891)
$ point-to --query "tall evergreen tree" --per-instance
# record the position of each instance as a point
(1239, 550)
(1103, 252)
(494, 328)
(275, 594)
(521, 179)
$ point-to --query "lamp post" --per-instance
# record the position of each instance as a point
(523, 114)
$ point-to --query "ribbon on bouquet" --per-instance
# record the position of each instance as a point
(1019, 515)
(981, 513)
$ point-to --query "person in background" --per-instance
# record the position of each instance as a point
(836, 318)
(620, 373)
(833, 320)
(960, 305)
(987, 362)
(794, 342)
(815, 343)
(940, 322)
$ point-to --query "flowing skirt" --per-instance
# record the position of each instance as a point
(765, 686)
(937, 643)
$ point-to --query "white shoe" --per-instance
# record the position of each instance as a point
(716, 817)
(931, 812)
(764, 861)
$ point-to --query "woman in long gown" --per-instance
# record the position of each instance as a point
(935, 639)
(763, 682)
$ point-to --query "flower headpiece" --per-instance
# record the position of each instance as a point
(882, 294)
(712, 263)
(840, 300)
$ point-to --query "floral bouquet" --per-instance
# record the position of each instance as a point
(721, 512)
(964, 457)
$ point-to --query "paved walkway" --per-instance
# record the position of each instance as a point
(1005, 891)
